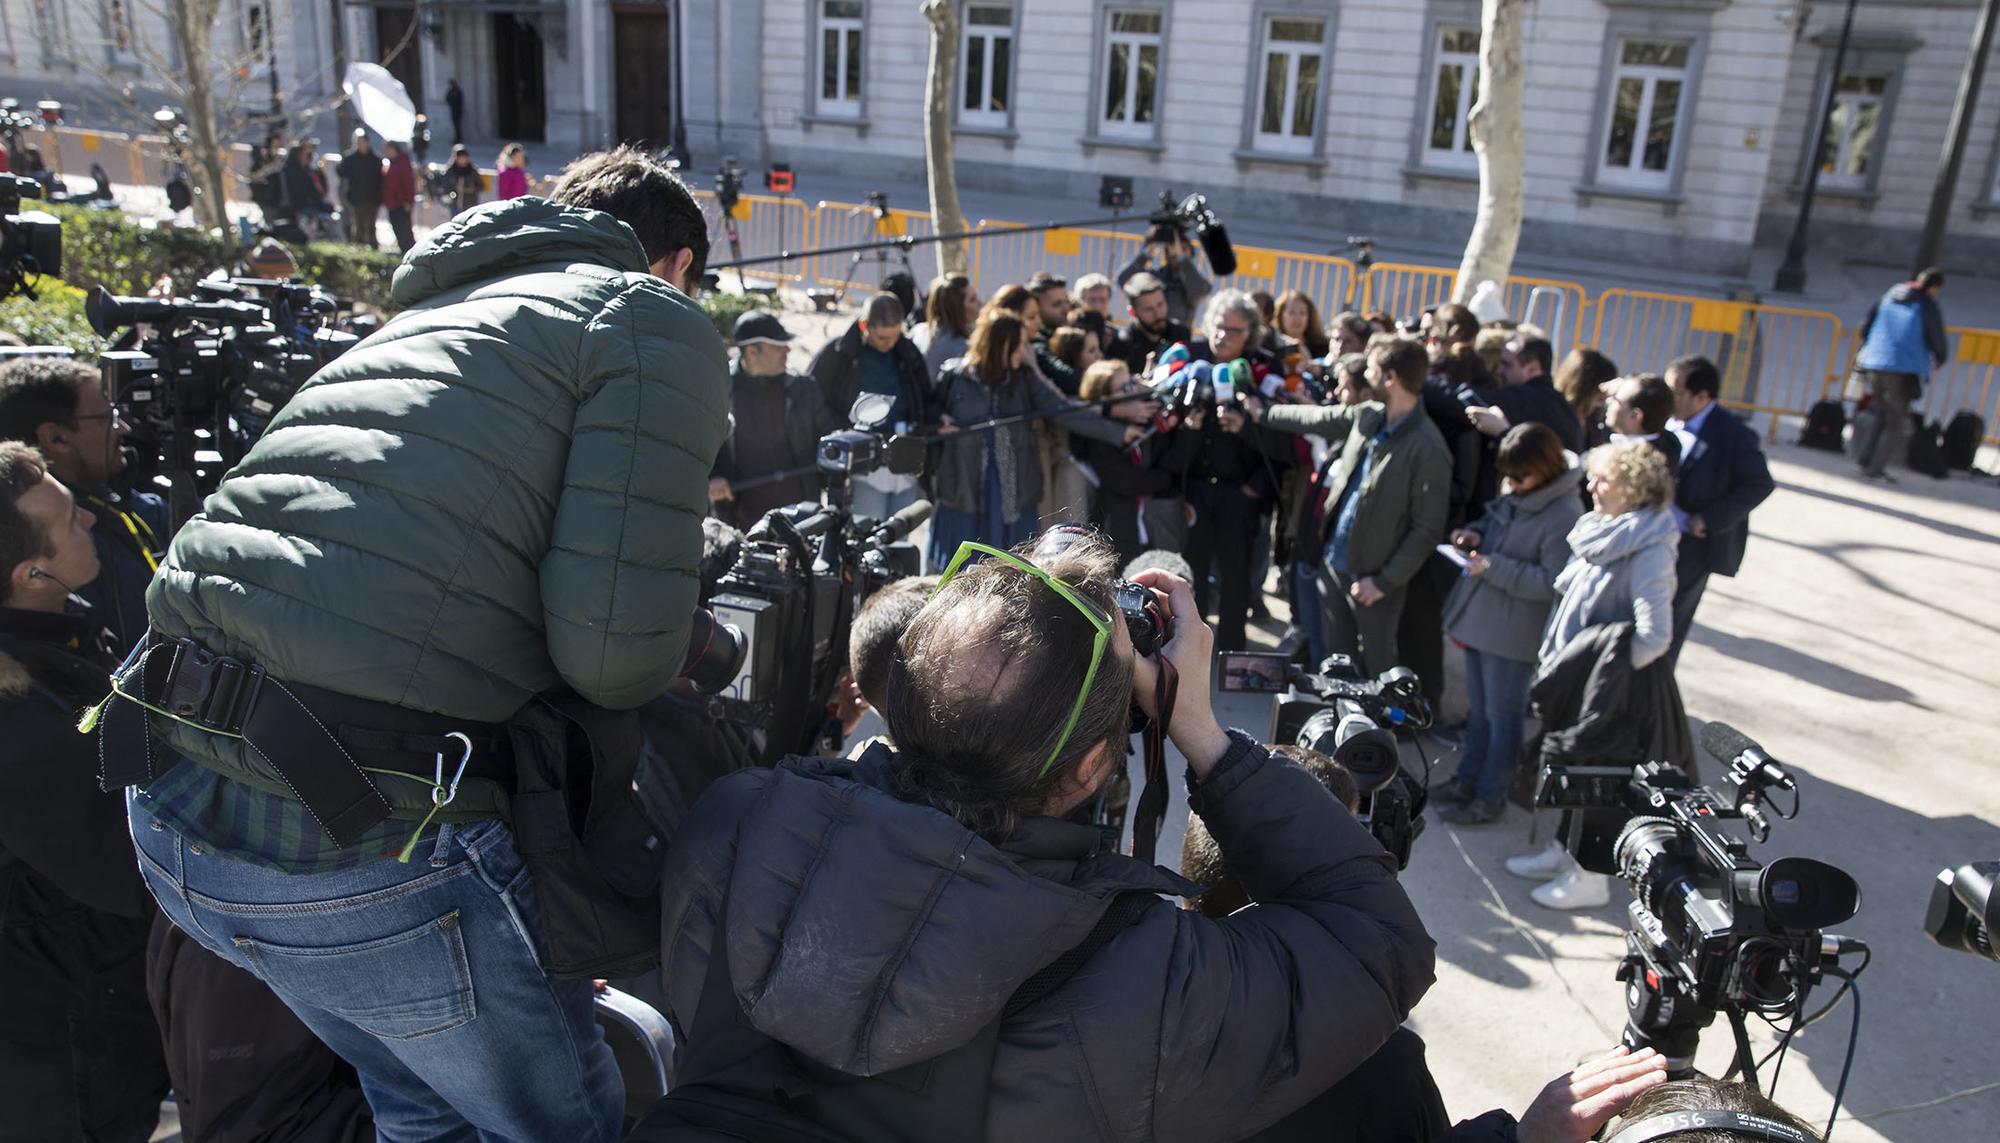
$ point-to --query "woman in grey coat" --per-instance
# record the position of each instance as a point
(1621, 570)
(1499, 607)
(949, 314)
(989, 482)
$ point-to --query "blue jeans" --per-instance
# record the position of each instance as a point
(1306, 614)
(1497, 689)
(423, 976)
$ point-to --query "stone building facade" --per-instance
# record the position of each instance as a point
(1660, 132)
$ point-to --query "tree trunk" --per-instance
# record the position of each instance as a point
(1495, 126)
(193, 25)
(939, 164)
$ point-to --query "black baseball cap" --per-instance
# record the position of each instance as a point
(759, 325)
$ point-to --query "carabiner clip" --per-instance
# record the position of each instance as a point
(441, 795)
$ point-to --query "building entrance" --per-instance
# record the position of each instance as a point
(520, 90)
(643, 36)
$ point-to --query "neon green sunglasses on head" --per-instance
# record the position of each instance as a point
(1098, 619)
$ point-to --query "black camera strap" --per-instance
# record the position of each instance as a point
(1151, 812)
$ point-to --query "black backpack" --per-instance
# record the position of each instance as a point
(1961, 440)
(1927, 448)
(1824, 424)
(739, 1085)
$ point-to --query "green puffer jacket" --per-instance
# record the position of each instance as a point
(498, 494)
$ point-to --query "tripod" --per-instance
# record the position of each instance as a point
(879, 254)
(735, 244)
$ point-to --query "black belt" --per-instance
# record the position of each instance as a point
(317, 740)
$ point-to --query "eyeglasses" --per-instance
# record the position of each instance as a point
(1233, 330)
(1097, 618)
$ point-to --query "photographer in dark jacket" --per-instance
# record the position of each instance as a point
(79, 1052)
(879, 915)
(776, 420)
(1138, 503)
(58, 405)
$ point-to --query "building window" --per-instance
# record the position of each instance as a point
(840, 55)
(1131, 74)
(1454, 89)
(1644, 127)
(986, 81)
(52, 29)
(1848, 150)
(1288, 109)
(120, 39)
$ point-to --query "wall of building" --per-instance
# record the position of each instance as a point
(1923, 50)
(1366, 170)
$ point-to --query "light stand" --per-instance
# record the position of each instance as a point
(1791, 278)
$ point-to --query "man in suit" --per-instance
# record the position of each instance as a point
(1722, 477)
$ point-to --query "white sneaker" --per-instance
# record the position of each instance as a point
(1576, 889)
(1552, 860)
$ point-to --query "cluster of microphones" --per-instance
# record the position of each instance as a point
(1184, 387)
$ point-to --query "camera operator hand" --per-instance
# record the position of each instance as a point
(1192, 726)
(1572, 1107)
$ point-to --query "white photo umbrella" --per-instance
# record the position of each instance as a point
(380, 102)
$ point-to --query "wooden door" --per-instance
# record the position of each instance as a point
(643, 74)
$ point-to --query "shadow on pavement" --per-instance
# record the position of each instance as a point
(1804, 667)
(1956, 531)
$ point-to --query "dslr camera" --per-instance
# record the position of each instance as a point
(1352, 719)
(30, 240)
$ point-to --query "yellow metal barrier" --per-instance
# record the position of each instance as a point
(1327, 280)
(1968, 382)
(1775, 360)
(1405, 291)
(765, 225)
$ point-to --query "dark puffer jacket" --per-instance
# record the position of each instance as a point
(869, 934)
(497, 495)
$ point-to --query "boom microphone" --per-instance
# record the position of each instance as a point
(1731, 745)
(902, 523)
(1214, 239)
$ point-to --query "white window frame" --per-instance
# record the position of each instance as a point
(1285, 142)
(853, 31)
(1131, 128)
(984, 117)
(1459, 156)
(1635, 174)
(1855, 100)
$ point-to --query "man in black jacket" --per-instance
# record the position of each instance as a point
(361, 187)
(776, 420)
(873, 356)
(1150, 331)
(1526, 394)
(1722, 477)
(79, 1052)
(58, 405)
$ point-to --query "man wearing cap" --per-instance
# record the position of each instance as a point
(777, 418)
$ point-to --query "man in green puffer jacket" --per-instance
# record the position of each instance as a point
(497, 495)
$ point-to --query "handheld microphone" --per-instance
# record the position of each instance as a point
(1214, 239)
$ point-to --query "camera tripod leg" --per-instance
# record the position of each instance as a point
(735, 250)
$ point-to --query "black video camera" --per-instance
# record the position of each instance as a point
(729, 185)
(213, 368)
(30, 240)
(1963, 911)
(1191, 220)
(1351, 719)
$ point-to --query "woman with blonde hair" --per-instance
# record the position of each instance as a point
(1620, 574)
(989, 481)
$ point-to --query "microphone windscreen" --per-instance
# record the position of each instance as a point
(1726, 742)
(1201, 371)
(1214, 240)
(1157, 559)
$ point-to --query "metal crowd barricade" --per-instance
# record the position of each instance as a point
(765, 226)
(1776, 361)
(1327, 280)
(1405, 291)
